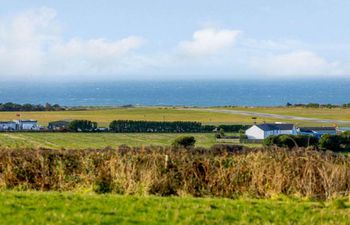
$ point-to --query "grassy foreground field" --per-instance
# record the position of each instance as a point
(95, 140)
(68, 208)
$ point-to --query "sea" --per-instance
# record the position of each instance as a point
(178, 93)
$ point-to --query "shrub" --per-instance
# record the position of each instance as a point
(184, 142)
(271, 140)
(336, 142)
(82, 125)
(331, 142)
(291, 141)
(220, 133)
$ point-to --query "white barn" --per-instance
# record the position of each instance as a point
(262, 131)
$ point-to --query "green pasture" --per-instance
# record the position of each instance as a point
(73, 208)
(96, 140)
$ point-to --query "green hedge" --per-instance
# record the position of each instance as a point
(132, 126)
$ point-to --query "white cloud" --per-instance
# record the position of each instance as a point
(209, 41)
(31, 43)
(297, 63)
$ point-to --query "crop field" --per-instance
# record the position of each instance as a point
(73, 208)
(95, 140)
(105, 116)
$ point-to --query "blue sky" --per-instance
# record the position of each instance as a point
(113, 40)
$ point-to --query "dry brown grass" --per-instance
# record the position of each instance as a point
(218, 172)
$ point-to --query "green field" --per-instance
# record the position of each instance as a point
(95, 140)
(72, 208)
(105, 116)
(321, 113)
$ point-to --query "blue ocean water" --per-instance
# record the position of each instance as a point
(190, 93)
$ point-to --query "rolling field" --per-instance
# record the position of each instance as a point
(95, 140)
(105, 116)
(73, 208)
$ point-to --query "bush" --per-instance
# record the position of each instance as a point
(331, 142)
(220, 133)
(184, 142)
(291, 141)
(82, 125)
(271, 140)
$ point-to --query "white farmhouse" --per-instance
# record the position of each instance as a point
(27, 125)
(262, 131)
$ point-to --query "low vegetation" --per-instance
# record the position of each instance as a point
(186, 142)
(221, 171)
(335, 143)
(67, 208)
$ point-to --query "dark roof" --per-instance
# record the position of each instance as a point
(7, 122)
(26, 121)
(275, 126)
(311, 129)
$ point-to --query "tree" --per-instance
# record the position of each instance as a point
(184, 142)
(82, 125)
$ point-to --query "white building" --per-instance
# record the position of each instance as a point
(27, 125)
(8, 125)
(262, 131)
(317, 131)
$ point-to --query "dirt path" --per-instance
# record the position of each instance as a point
(269, 115)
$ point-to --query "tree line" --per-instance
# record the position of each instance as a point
(134, 126)
(317, 105)
(9, 106)
(125, 126)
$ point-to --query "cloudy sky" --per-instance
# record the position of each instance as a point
(159, 39)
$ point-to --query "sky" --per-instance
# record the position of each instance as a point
(170, 40)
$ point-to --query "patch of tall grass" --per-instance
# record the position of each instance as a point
(220, 171)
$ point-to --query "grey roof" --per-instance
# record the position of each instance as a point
(310, 129)
(274, 126)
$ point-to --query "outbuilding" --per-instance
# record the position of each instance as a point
(317, 131)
